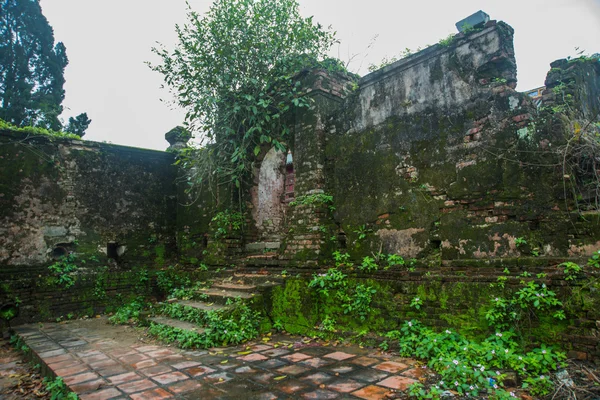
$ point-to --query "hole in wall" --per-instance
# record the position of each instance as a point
(62, 250)
(59, 251)
(436, 243)
(112, 250)
(341, 238)
(512, 217)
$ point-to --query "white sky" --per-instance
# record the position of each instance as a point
(108, 42)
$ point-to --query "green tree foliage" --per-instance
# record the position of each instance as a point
(78, 125)
(31, 67)
(234, 71)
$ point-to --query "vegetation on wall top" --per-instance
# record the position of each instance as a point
(235, 72)
(36, 131)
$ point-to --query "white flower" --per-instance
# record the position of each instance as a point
(441, 383)
(434, 340)
(493, 351)
(465, 349)
(498, 334)
(496, 299)
(520, 358)
(512, 394)
(497, 372)
(482, 369)
(455, 383)
(455, 362)
(506, 351)
(416, 299)
(448, 332)
(544, 285)
(409, 323)
(542, 377)
(495, 386)
(471, 387)
(543, 351)
(537, 295)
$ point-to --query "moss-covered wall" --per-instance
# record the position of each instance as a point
(448, 299)
(106, 205)
(457, 165)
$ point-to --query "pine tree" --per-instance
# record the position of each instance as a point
(31, 66)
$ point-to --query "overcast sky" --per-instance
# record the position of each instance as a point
(108, 42)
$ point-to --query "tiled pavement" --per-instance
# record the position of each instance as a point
(98, 367)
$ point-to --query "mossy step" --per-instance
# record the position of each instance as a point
(175, 323)
(221, 295)
(258, 279)
(242, 287)
(202, 305)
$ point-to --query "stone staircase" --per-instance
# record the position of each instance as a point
(220, 296)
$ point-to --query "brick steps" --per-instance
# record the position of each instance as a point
(175, 323)
(204, 306)
(222, 295)
(241, 287)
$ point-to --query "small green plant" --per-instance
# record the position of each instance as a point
(342, 259)
(361, 232)
(328, 324)
(63, 269)
(531, 299)
(538, 386)
(368, 265)
(316, 199)
(171, 278)
(227, 222)
(331, 280)
(101, 283)
(384, 346)
(359, 302)
(57, 389)
(418, 390)
(128, 313)
(416, 303)
(520, 241)
(594, 260)
(571, 270)
(500, 282)
(393, 260)
(447, 41)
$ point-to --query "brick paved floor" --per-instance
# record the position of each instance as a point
(100, 366)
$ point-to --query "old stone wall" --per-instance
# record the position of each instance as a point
(438, 157)
(107, 207)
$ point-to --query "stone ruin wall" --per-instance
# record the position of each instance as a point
(435, 157)
(113, 206)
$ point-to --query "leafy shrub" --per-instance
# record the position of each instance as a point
(530, 299)
(128, 313)
(170, 278)
(368, 265)
(226, 223)
(470, 367)
(62, 270)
